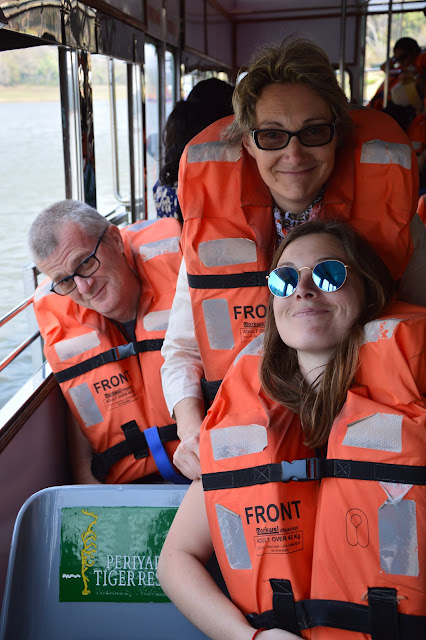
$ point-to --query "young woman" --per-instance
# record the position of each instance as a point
(311, 471)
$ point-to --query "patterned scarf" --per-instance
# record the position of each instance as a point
(286, 221)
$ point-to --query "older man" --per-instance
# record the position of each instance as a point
(103, 316)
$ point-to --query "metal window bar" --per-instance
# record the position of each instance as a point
(114, 137)
(26, 343)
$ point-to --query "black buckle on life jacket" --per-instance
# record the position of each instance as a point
(125, 351)
(300, 470)
(134, 444)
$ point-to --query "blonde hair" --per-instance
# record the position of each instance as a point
(295, 61)
(319, 403)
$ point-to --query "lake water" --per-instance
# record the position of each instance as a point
(31, 170)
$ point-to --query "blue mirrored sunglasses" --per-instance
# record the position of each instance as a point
(328, 275)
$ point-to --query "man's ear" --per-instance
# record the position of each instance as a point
(248, 143)
(114, 237)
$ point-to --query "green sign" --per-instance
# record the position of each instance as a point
(110, 554)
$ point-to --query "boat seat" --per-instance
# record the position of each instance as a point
(82, 566)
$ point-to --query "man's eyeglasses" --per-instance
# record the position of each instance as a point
(314, 136)
(85, 269)
(328, 275)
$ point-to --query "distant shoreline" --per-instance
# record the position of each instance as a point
(35, 93)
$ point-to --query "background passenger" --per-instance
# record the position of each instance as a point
(103, 316)
(208, 101)
(407, 69)
(333, 379)
(406, 96)
(293, 153)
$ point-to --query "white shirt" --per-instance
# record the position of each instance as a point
(182, 369)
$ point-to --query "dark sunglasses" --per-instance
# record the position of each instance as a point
(316, 135)
(328, 276)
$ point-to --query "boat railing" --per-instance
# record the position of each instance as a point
(26, 343)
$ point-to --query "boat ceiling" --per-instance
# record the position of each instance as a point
(251, 10)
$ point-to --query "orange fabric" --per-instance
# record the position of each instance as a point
(326, 538)
(129, 389)
(417, 133)
(421, 208)
(222, 196)
(377, 101)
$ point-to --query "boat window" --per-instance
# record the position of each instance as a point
(111, 126)
(152, 92)
(348, 83)
(411, 25)
(170, 87)
(32, 175)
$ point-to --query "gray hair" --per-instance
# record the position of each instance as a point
(43, 236)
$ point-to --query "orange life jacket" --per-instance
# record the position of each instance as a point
(229, 235)
(417, 133)
(344, 558)
(421, 208)
(113, 385)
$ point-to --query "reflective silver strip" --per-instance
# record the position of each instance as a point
(398, 545)
(225, 251)
(158, 248)
(357, 530)
(218, 324)
(254, 348)
(85, 404)
(381, 152)
(380, 431)
(141, 224)
(395, 491)
(42, 291)
(380, 329)
(157, 320)
(240, 440)
(213, 151)
(234, 542)
(72, 347)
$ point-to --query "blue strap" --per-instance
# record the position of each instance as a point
(161, 458)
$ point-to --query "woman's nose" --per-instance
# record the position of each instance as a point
(295, 148)
(306, 286)
(83, 284)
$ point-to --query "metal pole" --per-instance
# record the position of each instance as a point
(386, 83)
(342, 44)
(363, 31)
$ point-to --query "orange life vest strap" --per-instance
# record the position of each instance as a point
(135, 444)
(121, 352)
(228, 281)
(314, 469)
(209, 389)
(380, 618)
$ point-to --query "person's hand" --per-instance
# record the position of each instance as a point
(189, 414)
(392, 63)
(187, 457)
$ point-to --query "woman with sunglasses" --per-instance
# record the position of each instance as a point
(312, 468)
(294, 152)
